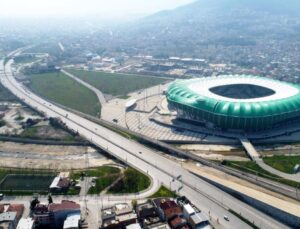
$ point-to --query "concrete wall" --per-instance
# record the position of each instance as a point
(282, 216)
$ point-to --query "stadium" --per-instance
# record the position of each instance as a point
(235, 102)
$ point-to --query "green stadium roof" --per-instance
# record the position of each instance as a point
(196, 93)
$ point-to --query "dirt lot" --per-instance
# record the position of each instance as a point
(292, 149)
(19, 155)
(216, 152)
(14, 116)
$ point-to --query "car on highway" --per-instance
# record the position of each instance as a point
(226, 217)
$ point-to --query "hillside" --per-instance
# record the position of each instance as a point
(216, 22)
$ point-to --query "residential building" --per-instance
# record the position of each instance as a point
(146, 210)
(59, 212)
(199, 221)
(41, 215)
(188, 210)
(178, 223)
(72, 221)
(8, 220)
(170, 209)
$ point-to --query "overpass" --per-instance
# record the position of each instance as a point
(206, 197)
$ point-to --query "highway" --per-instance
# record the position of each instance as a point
(206, 197)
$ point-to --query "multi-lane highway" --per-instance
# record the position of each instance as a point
(206, 197)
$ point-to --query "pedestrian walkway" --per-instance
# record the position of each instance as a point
(254, 155)
(99, 94)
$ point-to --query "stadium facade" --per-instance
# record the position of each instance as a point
(236, 102)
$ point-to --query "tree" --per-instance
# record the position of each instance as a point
(33, 203)
(134, 203)
(50, 200)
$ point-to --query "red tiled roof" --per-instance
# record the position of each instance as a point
(175, 222)
(168, 204)
(1, 208)
(64, 183)
(64, 205)
(19, 208)
(40, 208)
(185, 227)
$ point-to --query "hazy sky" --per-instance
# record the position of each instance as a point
(102, 8)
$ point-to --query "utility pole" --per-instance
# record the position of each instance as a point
(86, 181)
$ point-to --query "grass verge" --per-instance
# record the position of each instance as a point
(283, 163)
(105, 176)
(132, 182)
(244, 219)
(164, 192)
(253, 168)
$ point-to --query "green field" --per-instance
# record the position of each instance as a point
(117, 84)
(26, 183)
(253, 168)
(283, 163)
(133, 182)
(164, 192)
(63, 90)
(6, 95)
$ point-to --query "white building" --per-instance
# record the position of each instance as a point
(27, 223)
(188, 210)
(72, 221)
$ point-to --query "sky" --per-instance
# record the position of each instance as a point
(69, 8)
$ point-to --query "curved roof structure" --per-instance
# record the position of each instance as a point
(236, 96)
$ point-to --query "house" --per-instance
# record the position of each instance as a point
(120, 216)
(8, 220)
(146, 210)
(188, 210)
(55, 213)
(60, 184)
(134, 226)
(178, 223)
(18, 208)
(198, 221)
(170, 209)
(10, 214)
(72, 221)
(159, 225)
(122, 209)
(27, 223)
(59, 212)
(41, 215)
(108, 217)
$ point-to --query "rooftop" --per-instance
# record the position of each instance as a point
(199, 218)
(25, 223)
(64, 205)
(168, 204)
(134, 226)
(8, 216)
(72, 221)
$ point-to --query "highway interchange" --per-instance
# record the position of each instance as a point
(206, 197)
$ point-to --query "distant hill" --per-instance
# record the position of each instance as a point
(206, 22)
